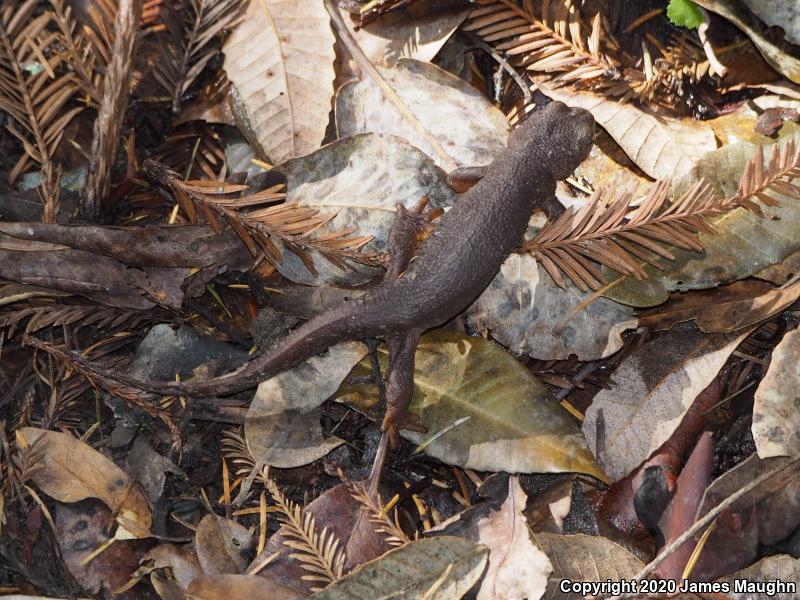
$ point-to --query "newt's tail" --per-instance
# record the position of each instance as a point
(316, 335)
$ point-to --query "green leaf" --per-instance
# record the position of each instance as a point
(504, 418)
(684, 13)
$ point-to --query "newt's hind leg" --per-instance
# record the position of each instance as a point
(408, 228)
(399, 388)
(400, 385)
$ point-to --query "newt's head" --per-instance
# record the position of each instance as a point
(559, 138)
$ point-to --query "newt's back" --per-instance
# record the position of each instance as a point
(471, 241)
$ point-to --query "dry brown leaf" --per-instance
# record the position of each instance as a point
(444, 568)
(437, 99)
(81, 529)
(723, 309)
(660, 146)
(654, 387)
(584, 558)
(752, 582)
(71, 470)
(339, 523)
(280, 61)
(223, 546)
(252, 587)
(181, 561)
(776, 414)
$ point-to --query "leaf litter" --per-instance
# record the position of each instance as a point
(627, 409)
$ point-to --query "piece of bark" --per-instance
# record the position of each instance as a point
(107, 127)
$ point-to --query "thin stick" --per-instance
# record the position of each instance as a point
(480, 44)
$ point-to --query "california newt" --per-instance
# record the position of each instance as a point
(451, 267)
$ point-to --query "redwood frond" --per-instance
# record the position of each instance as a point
(258, 218)
(194, 33)
(625, 236)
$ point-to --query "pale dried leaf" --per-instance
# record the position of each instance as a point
(280, 61)
(410, 33)
(528, 313)
(653, 389)
(71, 470)
(282, 424)
(357, 182)
(776, 412)
(660, 146)
(584, 558)
(437, 99)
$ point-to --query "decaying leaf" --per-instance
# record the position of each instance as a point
(71, 470)
(775, 500)
(437, 99)
(529, 313)
(512, 425)
(776, 411)
(181, 561)
(517, 568)
(358, 181)
(82, 528)
(280, 61)
(660, 146)
(584, 558)
(282, 424)
(223, 546)
(654, 387)
(443, 567)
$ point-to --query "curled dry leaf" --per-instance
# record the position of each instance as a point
(223, 546)
(280, 62)
(443, 567)
(660, 146)
(584, 558)
(437, 99)
(530, 314)
(513, 426)
(70, 470)
(776, 414)
(654, 387)
(180, 560)
(282, 424)
(360, 180)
